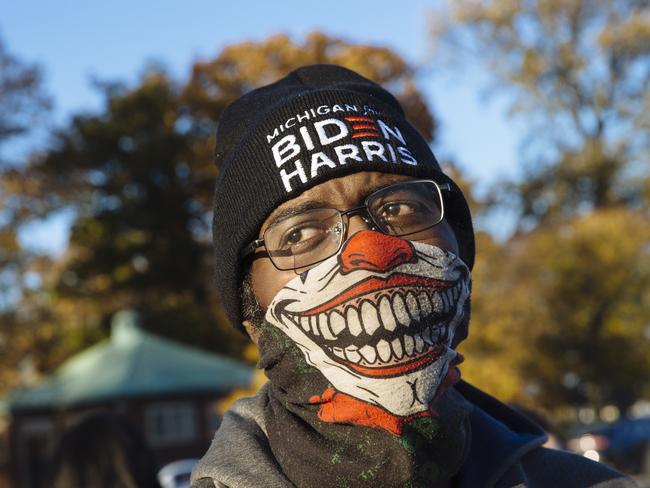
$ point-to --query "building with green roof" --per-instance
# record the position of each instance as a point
(168, 389)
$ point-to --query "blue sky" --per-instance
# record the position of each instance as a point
(75, 41)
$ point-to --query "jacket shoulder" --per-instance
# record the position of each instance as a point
(240, 455)
(544, 467)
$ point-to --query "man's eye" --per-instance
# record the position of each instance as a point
(301, 234)
(393, 210)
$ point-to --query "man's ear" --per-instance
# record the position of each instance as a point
(252, 331)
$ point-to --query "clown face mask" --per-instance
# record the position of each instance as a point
(378, 321)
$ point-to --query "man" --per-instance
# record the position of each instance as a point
(345, 253)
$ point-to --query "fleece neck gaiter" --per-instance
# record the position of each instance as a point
(360, 358)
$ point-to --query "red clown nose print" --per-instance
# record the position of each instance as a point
(373, 251)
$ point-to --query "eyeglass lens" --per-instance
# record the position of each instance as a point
(314, 235)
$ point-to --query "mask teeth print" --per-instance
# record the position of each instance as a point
(391, 327)
(399, 349)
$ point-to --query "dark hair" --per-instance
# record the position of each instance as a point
(102, 451)
(250, 307)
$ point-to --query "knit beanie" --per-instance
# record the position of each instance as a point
(317, 123)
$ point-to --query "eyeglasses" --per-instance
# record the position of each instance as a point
(409, 208)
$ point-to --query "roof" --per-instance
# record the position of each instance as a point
(133, 362)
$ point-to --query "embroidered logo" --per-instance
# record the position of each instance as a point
(363, 127)
(311, 147)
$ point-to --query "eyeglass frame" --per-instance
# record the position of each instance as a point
(362, 211)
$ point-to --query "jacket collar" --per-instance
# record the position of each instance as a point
(500, 437)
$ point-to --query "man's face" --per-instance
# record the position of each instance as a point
(341, 193)
(378, 318)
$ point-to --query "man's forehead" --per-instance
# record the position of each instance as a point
(341, 193)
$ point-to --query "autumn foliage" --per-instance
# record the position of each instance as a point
(561, 309)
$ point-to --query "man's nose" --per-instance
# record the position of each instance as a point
(374, 251)
(358, 222)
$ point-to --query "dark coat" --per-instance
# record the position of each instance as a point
(505, 452)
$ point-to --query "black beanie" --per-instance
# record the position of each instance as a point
(317, 123)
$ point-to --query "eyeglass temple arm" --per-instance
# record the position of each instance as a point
(250, 249)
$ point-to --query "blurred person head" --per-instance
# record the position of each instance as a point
(102, 451)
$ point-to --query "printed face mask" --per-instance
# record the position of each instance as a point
(378, 321)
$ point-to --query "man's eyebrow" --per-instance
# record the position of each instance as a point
(285, 213)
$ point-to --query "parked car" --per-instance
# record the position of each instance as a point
(177, 474)
(624, 445)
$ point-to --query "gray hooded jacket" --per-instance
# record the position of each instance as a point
(505, 452)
